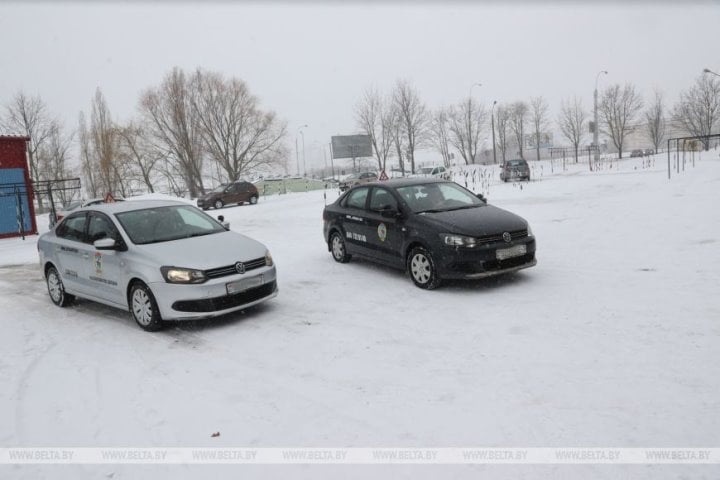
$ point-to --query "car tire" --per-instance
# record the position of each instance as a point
(253, 200)
(422, 269)
(143, 307)
(56, 288)
(218, 204)
(205, 208)
(338, 248)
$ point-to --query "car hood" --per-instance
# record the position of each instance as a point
(209, 251)
(476, 222)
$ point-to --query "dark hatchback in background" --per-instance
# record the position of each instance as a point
(434, 229)
(229, 193)
(515, 169)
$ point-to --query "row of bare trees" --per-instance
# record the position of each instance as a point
(190, 126)
(399, 123)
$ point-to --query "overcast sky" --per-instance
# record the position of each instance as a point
(310, 62)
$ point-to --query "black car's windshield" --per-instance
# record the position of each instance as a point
(438, 197)
(163, 224)
(219, 189)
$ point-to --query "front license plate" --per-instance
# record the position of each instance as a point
(516, 251)
(244, 284)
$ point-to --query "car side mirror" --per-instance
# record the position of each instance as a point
(105, 244)
(482, 197)
(226, 225)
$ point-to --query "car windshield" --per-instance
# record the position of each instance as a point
(516, 163)
(164, 224)
(438, 197)
(426, 170)
(219, 188)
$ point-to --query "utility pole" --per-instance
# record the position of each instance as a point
(492, 121)
(297, 157)
(595, 115)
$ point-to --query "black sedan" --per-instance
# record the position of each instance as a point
(432, 228)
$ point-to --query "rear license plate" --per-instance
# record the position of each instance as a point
(244, 284)
(516, 251)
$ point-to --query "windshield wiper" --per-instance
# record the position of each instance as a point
(465, 206)
(198, 234)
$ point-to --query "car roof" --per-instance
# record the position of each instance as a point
(128, 206)
(405, 182)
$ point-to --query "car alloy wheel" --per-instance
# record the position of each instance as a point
(218, 204)
(337, 246)
(56, 289)
(143, 308)
(422, 269)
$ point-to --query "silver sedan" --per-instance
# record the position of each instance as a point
(162, 260)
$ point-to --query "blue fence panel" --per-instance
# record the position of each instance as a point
(10, 178)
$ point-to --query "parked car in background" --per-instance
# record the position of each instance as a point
(433, 229)
(72, 206)
(637, 153)
(162, 260)
(517, 169)
(229, 193)
(438, 171)
(357, 179)
(649, 151)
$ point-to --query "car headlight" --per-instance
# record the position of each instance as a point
(530, 232)
(182, 275)
(453, 240)
(268, 259)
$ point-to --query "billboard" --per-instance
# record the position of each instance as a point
(351, 146)
(546, 140)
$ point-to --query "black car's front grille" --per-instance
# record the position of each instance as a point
(508, 263)
(226, 301)
(230, 269)
(499, 237)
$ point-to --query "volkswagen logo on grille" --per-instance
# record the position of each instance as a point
(240, 267)
(507, 237)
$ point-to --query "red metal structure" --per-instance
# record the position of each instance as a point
(17, 211)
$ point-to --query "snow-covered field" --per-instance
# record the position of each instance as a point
(613, 340)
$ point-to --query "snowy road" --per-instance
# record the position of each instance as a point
(613, 340)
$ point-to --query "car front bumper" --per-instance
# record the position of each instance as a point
(211, 299)
(481, 262)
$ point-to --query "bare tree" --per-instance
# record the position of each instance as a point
(103, 144)
(440, 133)
(655, 117)
(413, 117)
(698, 110)
(138, 154)
(539, 119)
(572, 122)
(237, 134)
(398, 138)
(28, 116)
(466, 123)
(87, 164)
(518, 114)
(502, 126)
(618, 108)
(54, 156)
(375, 116)
(175, 127)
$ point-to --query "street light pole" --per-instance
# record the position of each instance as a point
(303, 143)
(297, 158)
(707, 70)
(492, 121)
(469, 121)
(595, 115)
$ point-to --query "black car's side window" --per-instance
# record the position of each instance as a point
(101, 227)
(357, 198)
(382, 199)
(73, 228)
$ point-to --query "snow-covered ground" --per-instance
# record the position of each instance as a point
(613, 340)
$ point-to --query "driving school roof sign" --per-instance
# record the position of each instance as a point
(351, 146)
